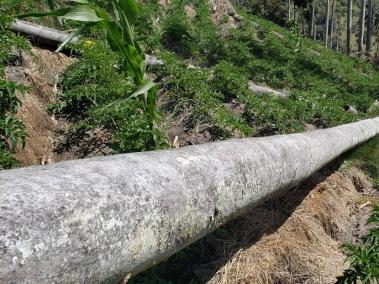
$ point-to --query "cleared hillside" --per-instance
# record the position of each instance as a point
(214, 58)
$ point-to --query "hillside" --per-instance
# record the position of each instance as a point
(208, 67)
(211, 59)
(216, 60)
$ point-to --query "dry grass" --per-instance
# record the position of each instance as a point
(306, 246)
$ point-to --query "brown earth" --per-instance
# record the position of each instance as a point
(38, 70)
(49, 138)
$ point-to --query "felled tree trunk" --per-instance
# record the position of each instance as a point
(50, 36)
(44, 34)
(97, 220)
(261, 90)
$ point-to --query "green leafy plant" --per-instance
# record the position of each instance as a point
(177, 34)
(12, 131)
(364, 259)
(89, 87)
(119, 29)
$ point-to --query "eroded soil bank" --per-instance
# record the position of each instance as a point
(38, 70)
(295, 238)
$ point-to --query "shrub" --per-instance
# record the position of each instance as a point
(177, 32)
(12, 131)
(90, 86)
(230, 81)
(364, 258)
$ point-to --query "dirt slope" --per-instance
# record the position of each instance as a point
(306, 247)
(38, 70)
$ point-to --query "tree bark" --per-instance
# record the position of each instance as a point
(327, 23)
(369, 26)
(289, 10)
(362, 27)
(349, 26)
(97, 220)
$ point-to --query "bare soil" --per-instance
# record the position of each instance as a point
(38, 70)
(49, 138)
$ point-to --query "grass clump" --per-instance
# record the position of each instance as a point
(364, 258)
(177, 31)
(367, 157)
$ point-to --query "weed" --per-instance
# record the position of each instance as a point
(89, 88)
(364, 258)
(12, 131)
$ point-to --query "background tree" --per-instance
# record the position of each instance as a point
(361, 27)
(327, 23)
(349, 26)
(313, 20)
(370, 15)
(289, 17)
(332, 20)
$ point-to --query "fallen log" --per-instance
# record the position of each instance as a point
(97, 220)
(54, 37)
(41, 33)
(261, 90)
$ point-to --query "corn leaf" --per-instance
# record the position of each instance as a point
(72, 35)
(82, 13)
(56, 13)
(142, 90)
(80, 1)
(129, 7)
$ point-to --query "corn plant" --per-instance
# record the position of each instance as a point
(119, 28)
